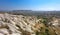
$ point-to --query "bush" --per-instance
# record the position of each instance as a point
(47, 31)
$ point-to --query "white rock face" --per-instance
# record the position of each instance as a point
(22, 25)
(16, 24)
(1, 34)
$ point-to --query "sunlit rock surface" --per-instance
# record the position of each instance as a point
(21, 25)
(16, 24)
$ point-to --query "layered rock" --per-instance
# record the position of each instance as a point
(25, 25)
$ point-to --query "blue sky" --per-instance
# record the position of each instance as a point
(29, 4)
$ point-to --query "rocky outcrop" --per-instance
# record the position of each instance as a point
(23, 25)
(16, 24)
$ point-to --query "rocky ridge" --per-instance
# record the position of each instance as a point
(25, 25)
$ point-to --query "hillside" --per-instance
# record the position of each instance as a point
(28, 25)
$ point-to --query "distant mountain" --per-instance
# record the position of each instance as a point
(30, 12)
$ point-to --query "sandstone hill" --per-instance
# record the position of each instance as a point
(28, 25)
